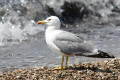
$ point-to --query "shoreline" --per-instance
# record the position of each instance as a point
(101, 70)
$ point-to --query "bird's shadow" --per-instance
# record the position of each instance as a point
(94, 69)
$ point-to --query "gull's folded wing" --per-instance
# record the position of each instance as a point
(71, 44)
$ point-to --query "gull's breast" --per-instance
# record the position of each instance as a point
(50, 36)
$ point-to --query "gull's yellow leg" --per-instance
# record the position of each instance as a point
(61, 67)
(62, 62)
(66, 63)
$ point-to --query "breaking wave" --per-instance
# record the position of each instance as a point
(18, 17)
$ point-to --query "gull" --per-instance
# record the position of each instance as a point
(68, 44)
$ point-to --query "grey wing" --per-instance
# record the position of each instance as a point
(70, 44)
(64, 35)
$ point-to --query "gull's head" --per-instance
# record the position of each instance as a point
(52, 21)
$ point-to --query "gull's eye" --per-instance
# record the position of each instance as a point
(49, 19)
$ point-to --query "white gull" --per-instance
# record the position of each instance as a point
(68, 44)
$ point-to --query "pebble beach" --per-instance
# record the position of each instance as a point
(101, 70)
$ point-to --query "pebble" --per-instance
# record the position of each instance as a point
(104, 70)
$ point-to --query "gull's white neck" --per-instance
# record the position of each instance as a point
(50, 30)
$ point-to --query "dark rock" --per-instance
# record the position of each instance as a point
(73, 11)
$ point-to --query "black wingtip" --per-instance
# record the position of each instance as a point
(102, 54)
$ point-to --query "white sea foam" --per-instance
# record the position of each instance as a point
(13, 30)
(19, 15)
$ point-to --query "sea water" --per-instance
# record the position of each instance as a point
(22, 41)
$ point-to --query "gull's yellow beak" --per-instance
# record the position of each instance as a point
(41, 22)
